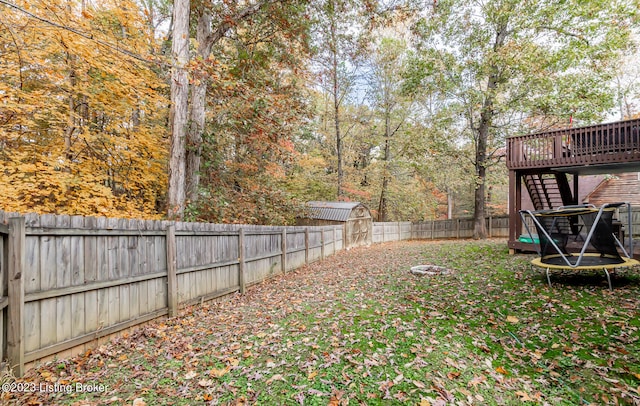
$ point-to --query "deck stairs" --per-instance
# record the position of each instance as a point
(548, 190)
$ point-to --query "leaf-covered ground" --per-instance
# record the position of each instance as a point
(358, 328)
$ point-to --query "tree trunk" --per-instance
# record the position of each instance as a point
(71, 121)
(179, 109)
(336, 121)
(206, 38)
(383, 214)
(486, 119)
(336, 104)
(382, 207)
(479, 227)
(197, 111)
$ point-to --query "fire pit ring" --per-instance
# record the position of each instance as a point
(429, 270)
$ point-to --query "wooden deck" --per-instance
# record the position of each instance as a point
(596, 149)
(545, 161)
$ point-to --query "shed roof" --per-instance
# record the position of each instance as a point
(334, 211)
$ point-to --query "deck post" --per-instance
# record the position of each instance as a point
(515, 204)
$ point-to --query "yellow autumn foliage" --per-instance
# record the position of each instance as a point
(82, 123)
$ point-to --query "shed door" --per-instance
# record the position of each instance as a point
(360, 231)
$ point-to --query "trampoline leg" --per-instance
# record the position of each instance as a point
(608, 278)
(548, 278)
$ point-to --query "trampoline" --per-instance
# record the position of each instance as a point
(579, 237)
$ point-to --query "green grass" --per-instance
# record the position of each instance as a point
(358, 328)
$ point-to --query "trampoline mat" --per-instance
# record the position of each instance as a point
(588, 260)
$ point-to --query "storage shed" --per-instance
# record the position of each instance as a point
(355, 216)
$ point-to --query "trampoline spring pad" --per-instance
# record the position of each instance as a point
(589, 261)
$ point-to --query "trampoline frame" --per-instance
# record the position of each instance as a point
(566, 264)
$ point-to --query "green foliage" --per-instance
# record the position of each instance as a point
(514, 67)
(259, 108)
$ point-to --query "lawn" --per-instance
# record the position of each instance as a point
(358, 328)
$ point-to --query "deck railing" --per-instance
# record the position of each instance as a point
(591, 145)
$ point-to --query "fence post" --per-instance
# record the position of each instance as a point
(433, 222)
(346, 241)
(490, 226)
(15, 293)
(283, 247)
(457, 229)
(241, 264)
(172, 277)
(306, 245)
(322, 244)
(383, 236)
(335, 242)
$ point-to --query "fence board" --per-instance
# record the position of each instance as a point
(15, 293)
(32, 315)
(4, 236)
(48, 307)
(90, 247)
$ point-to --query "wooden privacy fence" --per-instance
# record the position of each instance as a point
(74, 279)
(437, 229)
(66, 281)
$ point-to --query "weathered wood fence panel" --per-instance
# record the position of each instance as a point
(437, 229)
(69, 280)
(295, 247)
(89, 277)
(635, 219)
(497, 227)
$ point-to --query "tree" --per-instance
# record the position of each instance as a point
(179, 108)
(391, 106)
(508, 60)
(81, 123)
(339, 50)
(257, 106)
(214, 22)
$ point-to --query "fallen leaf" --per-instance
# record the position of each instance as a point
(276, 377)
(476, 380)
(218, 373)
(501, 370)
(512, 319)
(524, 396)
